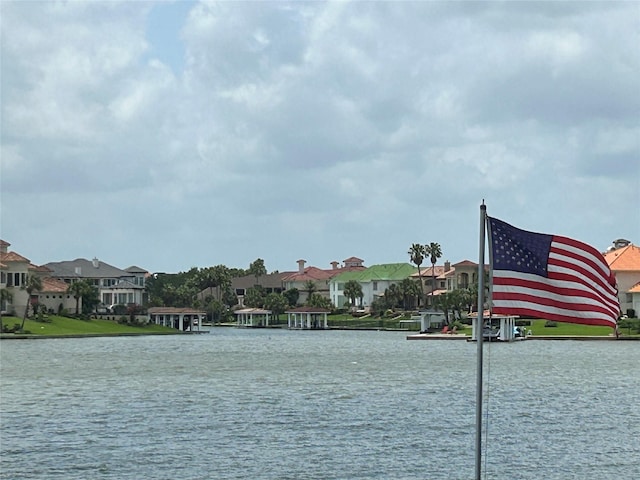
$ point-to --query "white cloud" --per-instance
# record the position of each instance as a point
(314, 130)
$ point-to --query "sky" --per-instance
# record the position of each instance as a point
(171, 135)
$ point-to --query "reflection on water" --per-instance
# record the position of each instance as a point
(277, 404)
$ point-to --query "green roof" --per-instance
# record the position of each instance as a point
(387, 271)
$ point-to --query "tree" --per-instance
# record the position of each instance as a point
(276, 303)
(32, 284)
(257, 269)
(434, 252)
(393, 296)
(5, 297)
(292, 295)
(410, 291)
(353, 290)
(416, 254)
(254, 297)
(78, 290)
(319, 301)
(309, 287)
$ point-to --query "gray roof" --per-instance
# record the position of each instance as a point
(134, 269)
(83, 268)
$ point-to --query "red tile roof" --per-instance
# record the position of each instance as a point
(314, 274)
(12, 257)
(624, 259)
(53, 285)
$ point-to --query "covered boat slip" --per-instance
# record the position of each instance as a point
(183, 319)
(308, 318)
(252, 317)
(498, 328)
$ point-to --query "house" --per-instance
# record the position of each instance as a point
(115, 286)
(623, 258)
(373, 281)
(14, 269)
(270, 283)
(319, 278)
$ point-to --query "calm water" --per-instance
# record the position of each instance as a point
(268, 404)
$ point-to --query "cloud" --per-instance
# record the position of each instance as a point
(172, 135)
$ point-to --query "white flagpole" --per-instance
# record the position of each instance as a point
(479, 339)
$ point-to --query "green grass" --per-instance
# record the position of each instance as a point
(568, 329)
(71, 326)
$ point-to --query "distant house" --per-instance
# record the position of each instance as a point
(14, 269)
(318, 277)
(115, 286)
(624, 260)
(373, 281)
(270, 283)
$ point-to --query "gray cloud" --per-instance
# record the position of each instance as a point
(313, 130)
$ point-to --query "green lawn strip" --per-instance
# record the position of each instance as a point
(568, 329)
(71, 326)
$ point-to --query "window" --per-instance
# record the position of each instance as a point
(375, 286)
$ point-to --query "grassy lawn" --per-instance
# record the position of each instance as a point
(71, 326)
(569, 329)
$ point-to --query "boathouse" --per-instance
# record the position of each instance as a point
(500, 328)
(183, 319)
(308, 318)
(252, 317)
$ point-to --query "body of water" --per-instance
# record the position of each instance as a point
(279, 404)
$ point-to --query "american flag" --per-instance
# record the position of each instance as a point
(550, 277)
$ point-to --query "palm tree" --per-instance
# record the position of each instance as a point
(257, 269)
(410, 291)
(32, 283)
(79, 290)
(434, 251)
(416, 254)
(353, 290)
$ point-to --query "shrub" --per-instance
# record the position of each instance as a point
(631, 313)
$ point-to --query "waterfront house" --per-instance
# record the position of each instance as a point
(319, 278)
(14, 269)
(373, 281)
(623, 258)
(115, 286)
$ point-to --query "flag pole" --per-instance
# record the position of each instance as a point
(479, 339)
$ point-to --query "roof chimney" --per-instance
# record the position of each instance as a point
(620, 243)
(334, 265)
(447, 266)
(95, 262)
(301, 265)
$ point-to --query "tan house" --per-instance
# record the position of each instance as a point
(318, 277)
(14, 269)
(624, 260)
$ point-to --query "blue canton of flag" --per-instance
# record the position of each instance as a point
(518, 250)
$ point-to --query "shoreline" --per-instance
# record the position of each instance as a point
(446, 336)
